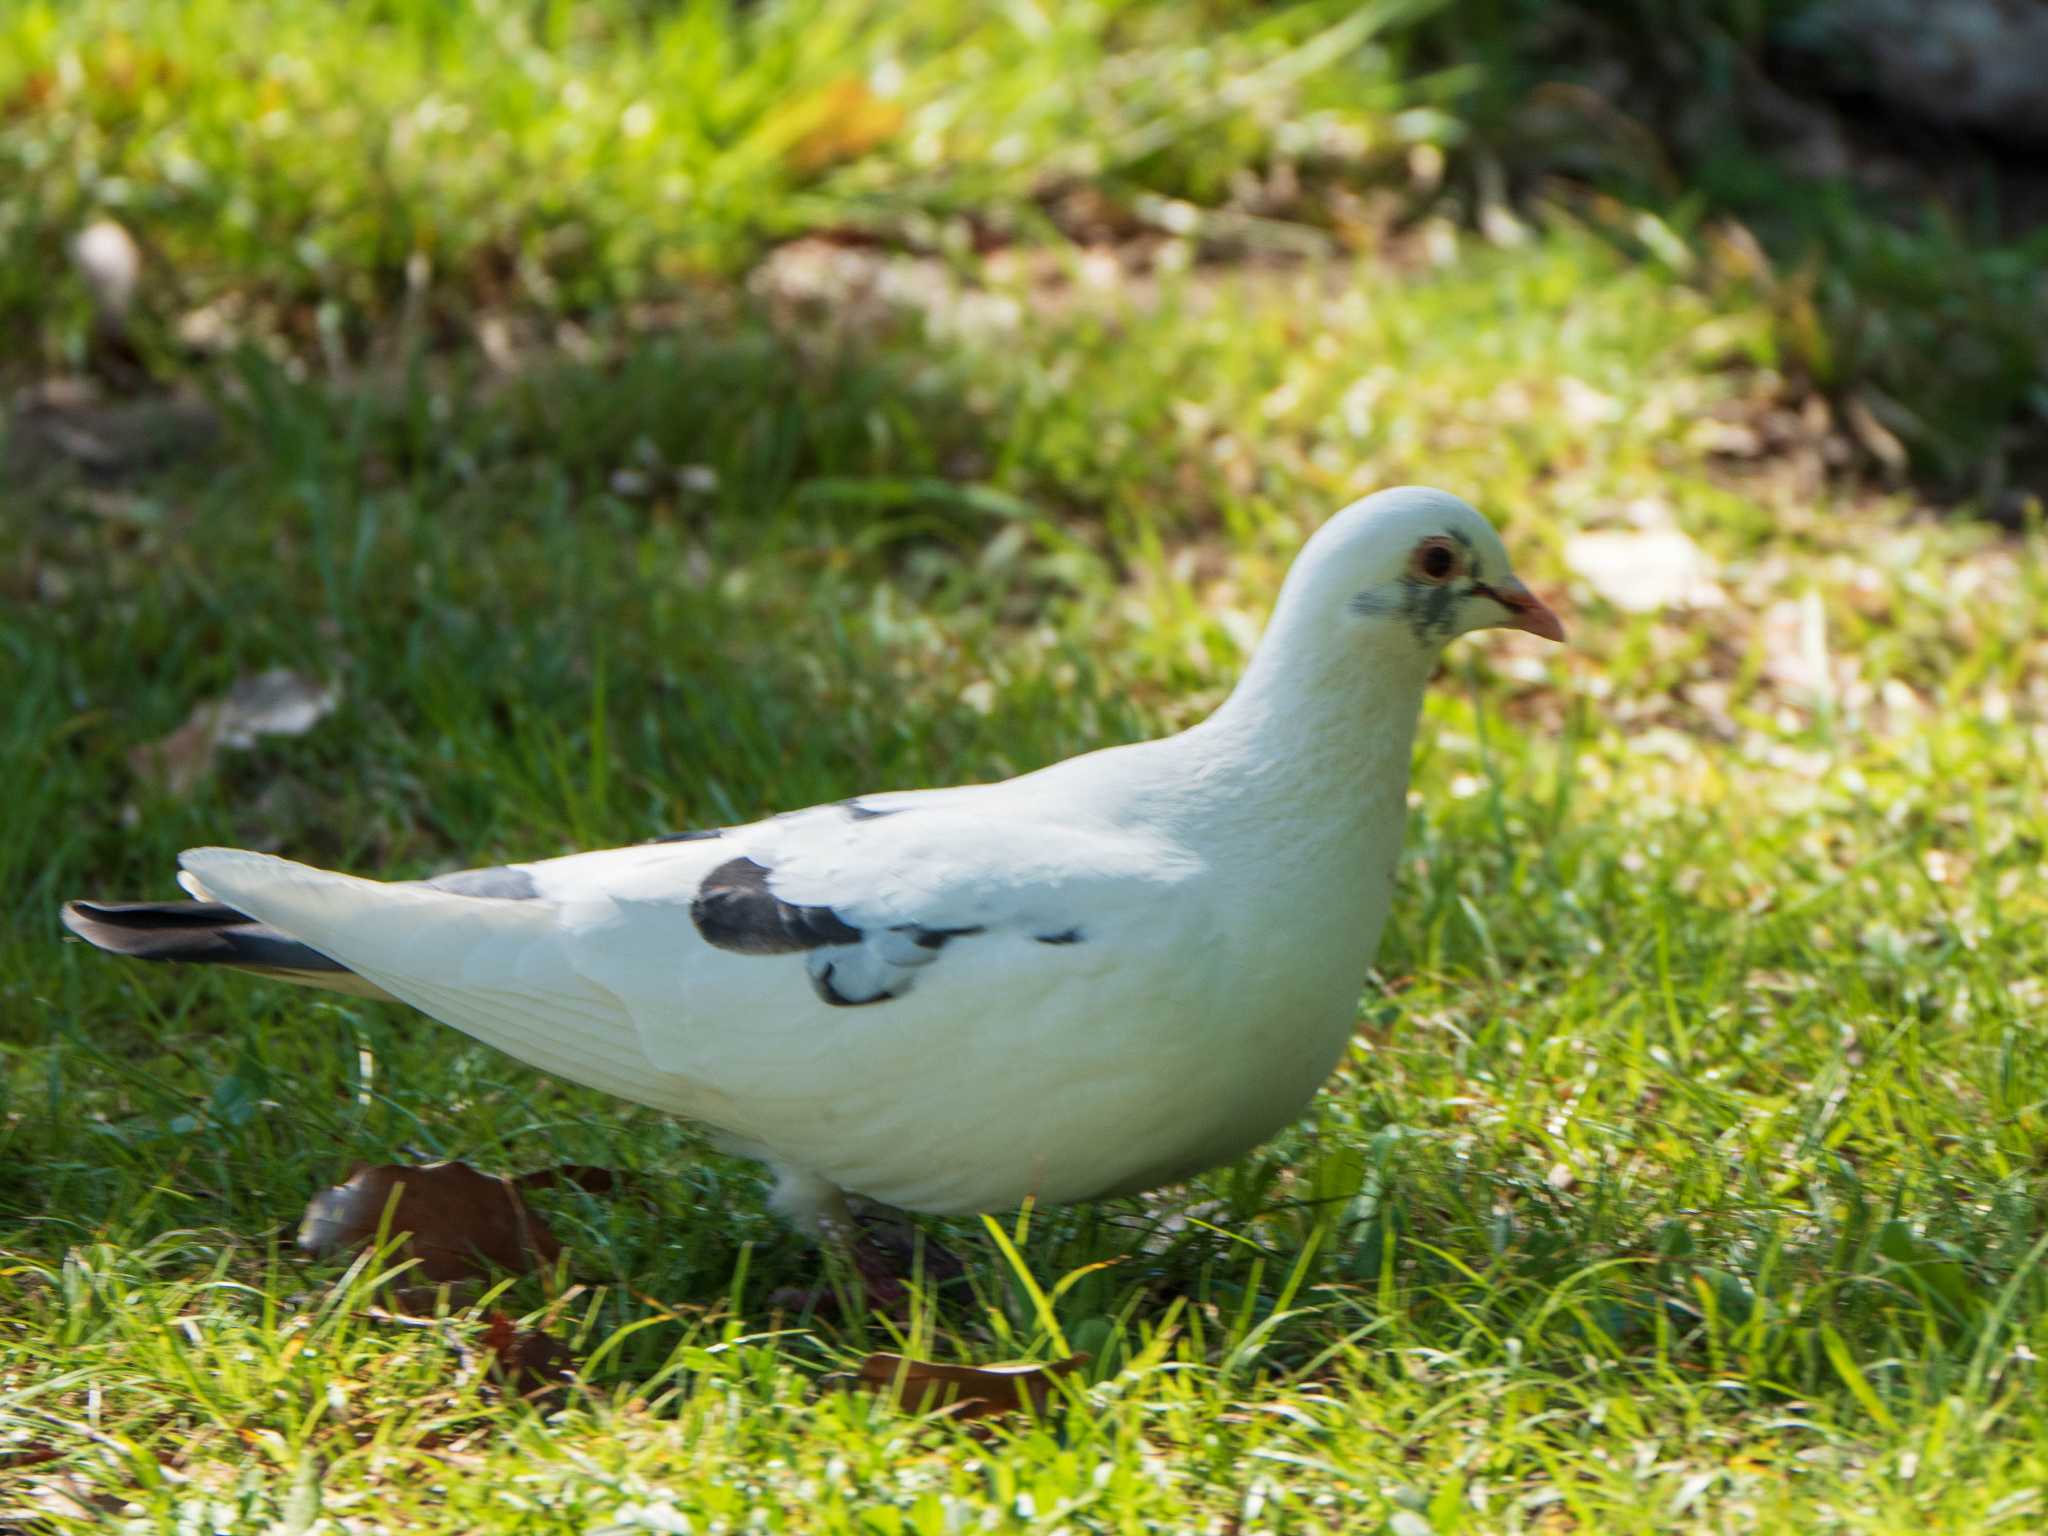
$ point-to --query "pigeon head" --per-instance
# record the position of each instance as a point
(1424, 565)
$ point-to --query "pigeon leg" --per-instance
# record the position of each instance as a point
(819, 1207)
(880, 1283)
(884, 1252)
(890, 1246)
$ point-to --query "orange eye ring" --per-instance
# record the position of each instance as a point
(1436, 561)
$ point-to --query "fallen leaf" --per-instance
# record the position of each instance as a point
(527, 1362)
(279, 702)
(461, 1222)
(32, 1454)
(1647, 571)
(842, 122)
(964, 1391)
(31, 96)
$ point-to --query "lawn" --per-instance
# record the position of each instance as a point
(657, 416)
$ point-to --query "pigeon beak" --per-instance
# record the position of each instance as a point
(1525, 610)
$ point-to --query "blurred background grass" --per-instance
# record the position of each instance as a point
(339, 182)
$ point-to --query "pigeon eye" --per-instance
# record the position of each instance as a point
(1435, 560)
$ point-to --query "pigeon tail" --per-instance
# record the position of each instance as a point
(494, 968)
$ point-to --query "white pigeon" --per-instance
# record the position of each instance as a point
(1087, 981)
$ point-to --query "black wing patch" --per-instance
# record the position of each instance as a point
(704, 834)
(849, 967)
(735, 910)
(935, 938)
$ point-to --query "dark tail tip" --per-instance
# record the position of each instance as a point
(195, 932)
(155, 930)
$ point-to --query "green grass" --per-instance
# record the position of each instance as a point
(334, 184)
(1685, 1174)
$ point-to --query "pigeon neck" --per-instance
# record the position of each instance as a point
(1324, 712)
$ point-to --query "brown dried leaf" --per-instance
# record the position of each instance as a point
(279, 702)
(842, 122)
(528, 1362)
(462, 1222)
(964, 1391)
(31, 96)
(31, 1453)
